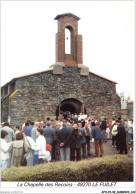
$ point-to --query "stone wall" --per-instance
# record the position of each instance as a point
(39, 95)
(4, 108)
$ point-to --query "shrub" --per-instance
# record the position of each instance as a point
(108, 168)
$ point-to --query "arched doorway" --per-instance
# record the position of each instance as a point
(72, 105)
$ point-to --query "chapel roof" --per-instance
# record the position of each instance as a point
(103, 77)
(51, 68)
(26, 75)
(67, 14)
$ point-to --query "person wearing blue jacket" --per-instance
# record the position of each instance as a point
(96, 134)
(29, 128)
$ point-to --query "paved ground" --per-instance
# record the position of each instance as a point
(108, 149)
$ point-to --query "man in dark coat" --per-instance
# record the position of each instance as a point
(103, 126)
(121, 137)
(83, 147)
(63, 136)
(55, 146)
(76, 143)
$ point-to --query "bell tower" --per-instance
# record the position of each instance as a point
(68, 22)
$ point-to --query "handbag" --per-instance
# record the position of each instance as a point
(23, 158)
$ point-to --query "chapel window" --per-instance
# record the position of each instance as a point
(67, 41)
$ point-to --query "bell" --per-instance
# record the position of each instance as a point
(67, 38)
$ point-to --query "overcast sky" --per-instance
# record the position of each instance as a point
(28, 38)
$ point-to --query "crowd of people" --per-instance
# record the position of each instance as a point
(65, 138)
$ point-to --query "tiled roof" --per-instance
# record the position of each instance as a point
(67, 14)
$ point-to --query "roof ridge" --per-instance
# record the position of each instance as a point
(67, 14)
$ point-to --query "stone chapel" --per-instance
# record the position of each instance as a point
(66, 85)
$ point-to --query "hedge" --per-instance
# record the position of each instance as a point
(107, 168)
